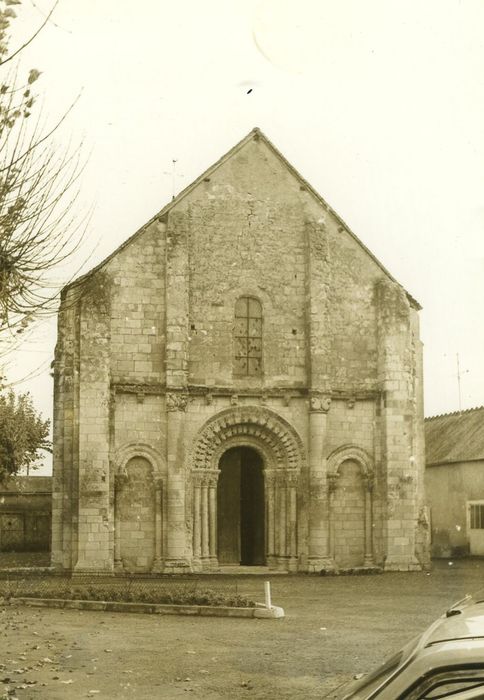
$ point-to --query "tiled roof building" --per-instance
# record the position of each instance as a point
(454, 445)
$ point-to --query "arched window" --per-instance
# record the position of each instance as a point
(248, 337)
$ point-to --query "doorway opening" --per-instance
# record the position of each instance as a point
(241, 508)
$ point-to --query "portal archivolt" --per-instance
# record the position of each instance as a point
(246, 452)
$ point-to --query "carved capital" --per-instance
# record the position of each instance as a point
(176, 402)
(205, 477)
(281, 478)
(319, 403)
(158, 483)
(234, 400)
(270, 477)
(197, 477)
(213, 475)
(292, 478)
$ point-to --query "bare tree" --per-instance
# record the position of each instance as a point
(38, 227)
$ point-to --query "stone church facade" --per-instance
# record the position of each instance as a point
(239, 383)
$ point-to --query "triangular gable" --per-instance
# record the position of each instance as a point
(255, 134)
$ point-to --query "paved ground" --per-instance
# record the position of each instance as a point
(334, 627)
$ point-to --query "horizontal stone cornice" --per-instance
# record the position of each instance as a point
(160, 389)
(138, 388)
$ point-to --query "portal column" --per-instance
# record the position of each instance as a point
(282, 523)
(270, 483)
(174, 228)
(368, 560)
(332, 480)
(205, 522)
(318, 520)
(176, 556)
(212, 518)
(119, 481)
(197, 534)
(158, 562)
(292, 520)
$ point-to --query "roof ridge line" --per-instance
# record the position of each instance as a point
(455, 413)
(330, 210)
(255, 133)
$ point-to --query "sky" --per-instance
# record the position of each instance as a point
(378, 104)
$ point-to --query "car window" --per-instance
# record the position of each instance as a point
(445, 690)
(454, 684)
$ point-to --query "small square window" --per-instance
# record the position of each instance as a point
(477, 516)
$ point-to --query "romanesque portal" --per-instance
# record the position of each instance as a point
(247, 468)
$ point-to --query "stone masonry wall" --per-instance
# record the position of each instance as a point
(138, 309)
(402, 442)
(25, 513)
(145, 358)
(246, 237)
(94, 528)
(249, 227)
(65, 482)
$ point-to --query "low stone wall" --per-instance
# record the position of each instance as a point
(25, 514)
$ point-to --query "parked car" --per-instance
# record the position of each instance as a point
(446, 661)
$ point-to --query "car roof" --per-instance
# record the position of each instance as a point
(464, 620)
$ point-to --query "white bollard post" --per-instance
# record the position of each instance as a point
(267, 590)
(268, 611)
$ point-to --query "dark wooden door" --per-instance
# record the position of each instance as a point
(240, 508)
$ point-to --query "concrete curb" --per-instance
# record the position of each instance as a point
(271, 613)
(260, 612)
